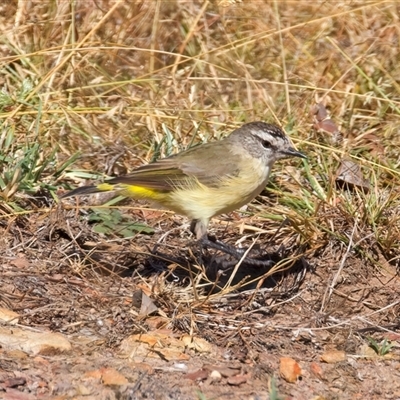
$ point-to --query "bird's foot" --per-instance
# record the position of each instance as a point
(237, 253)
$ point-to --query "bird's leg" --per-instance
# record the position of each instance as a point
(199, 228)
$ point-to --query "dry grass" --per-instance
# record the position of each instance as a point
(92, 88)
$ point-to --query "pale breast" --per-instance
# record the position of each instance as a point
(201, 201)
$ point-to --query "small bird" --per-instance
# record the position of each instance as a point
(206, 180)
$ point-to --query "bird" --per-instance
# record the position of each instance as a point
(208, 179)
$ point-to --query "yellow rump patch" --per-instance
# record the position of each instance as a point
(138, 192)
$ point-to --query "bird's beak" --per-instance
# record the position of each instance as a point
(291, 152)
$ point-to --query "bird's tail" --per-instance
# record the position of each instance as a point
(103, 187)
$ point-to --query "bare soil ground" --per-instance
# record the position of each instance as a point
(57, 278)
(119, 301)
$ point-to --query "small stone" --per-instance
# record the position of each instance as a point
(215, 375)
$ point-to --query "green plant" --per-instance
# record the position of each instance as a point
(201, 395)
(273, 390)
(109, 220)
(382, 348)
(28, 161)
(26, 167)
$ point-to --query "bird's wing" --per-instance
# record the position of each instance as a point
(182, 170)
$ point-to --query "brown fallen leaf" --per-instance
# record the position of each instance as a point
(316, 370)
(145, 367)
(198, 344)
(324, 123)
(237, 380)
(96, 374)
(319, 112)
(199, 375)
(137, 298)
(144, 303)
(111, 376)
(20, 262)
(225, 371)
(349, 176)
(367, 351)
(156, 322)
(328, 126)
(333, 356)
(158, 344)
(289, 369)
(392, 336)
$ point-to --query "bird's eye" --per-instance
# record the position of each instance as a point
(266, 144)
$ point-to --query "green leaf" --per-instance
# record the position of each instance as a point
(111, 221)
